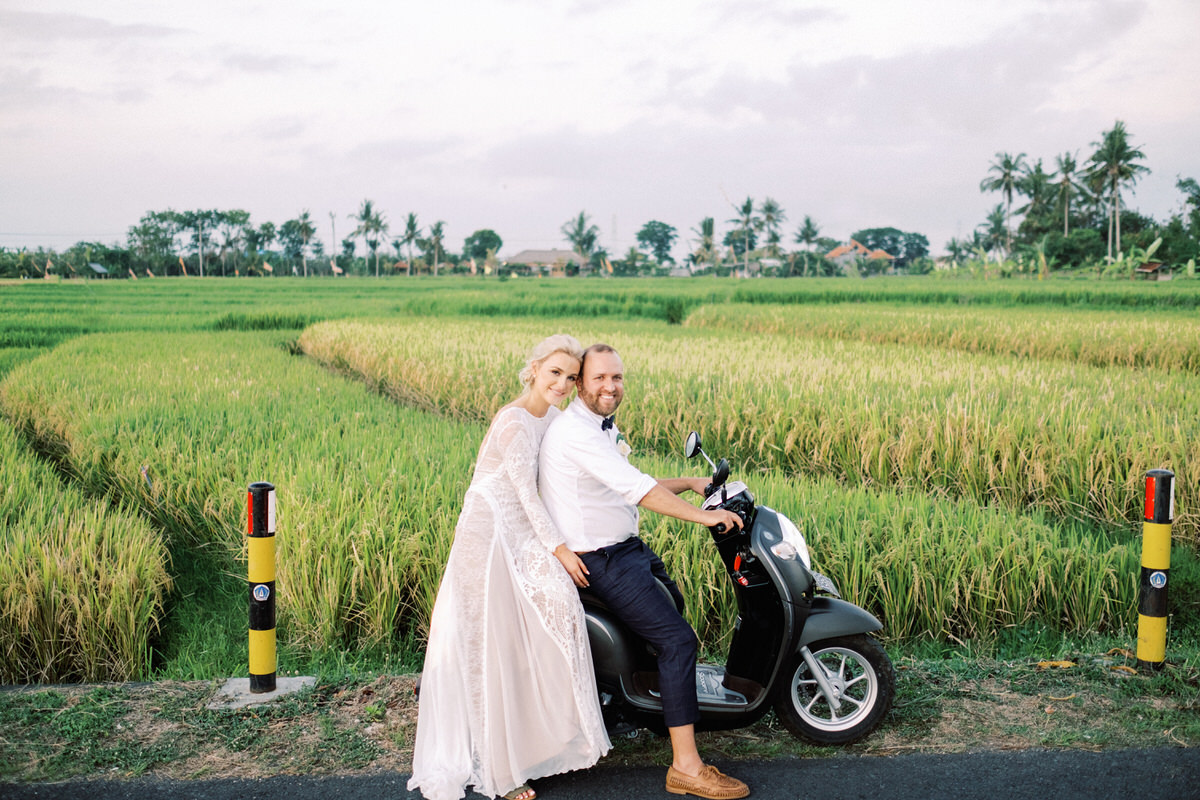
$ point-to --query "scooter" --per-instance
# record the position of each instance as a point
(797, 647)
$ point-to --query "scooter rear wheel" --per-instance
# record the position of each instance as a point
(860, 676)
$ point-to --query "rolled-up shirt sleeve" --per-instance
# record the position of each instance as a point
(610, 468)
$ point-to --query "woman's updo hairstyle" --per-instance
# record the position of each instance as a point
(558, 343)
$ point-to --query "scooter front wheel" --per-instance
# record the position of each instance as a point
(859, 676)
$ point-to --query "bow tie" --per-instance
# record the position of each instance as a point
(608, 422)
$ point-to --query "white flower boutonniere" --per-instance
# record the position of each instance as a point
(623, 446)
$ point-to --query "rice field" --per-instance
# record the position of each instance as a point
(82, 583)
(182, 428)
(952, 485)
(1066, 438)
(1164, 340)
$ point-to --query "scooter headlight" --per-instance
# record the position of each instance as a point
(784, 551)
(793, 545)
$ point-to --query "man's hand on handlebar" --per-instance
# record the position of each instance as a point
(723, 520)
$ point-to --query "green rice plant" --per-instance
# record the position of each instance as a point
(12, 356)
(926, 564)
(929, 290)
(369, 492)
(1070, 439)
(1165, 340)
(180, 424)
(263, 321)
(81, 583)
(928, 568)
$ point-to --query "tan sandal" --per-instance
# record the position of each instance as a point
(522, 792)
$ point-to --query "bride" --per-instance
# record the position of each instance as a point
(508, 692)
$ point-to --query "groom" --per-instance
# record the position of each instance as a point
(593, 493)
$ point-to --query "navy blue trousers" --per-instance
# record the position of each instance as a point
(626, 577)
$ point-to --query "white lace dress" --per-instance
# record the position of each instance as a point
(508, 691)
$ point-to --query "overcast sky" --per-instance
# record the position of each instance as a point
(516, 116)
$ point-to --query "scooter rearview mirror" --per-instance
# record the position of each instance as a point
(721, 473)
(692, 446)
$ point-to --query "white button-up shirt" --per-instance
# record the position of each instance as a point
(589, 488)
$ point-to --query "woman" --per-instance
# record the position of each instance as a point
(508, 692)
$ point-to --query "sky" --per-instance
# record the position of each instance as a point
(517, 115)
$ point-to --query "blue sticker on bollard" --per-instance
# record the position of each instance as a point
(261, 592)
(1158, 579)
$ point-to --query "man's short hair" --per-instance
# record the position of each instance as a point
(598, 347)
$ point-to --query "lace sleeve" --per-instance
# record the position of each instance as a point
(520, 457)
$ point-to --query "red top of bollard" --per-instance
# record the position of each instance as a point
(260, 509)
(1160, 497)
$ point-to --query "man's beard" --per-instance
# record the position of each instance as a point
(592, 401)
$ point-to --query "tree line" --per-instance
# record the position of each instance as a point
(1070, 217)
(228, 243)
(1074, 215)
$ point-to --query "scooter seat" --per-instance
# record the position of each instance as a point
(589, 598)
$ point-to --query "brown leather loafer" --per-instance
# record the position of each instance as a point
(711, 783)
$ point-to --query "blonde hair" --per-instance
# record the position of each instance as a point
(558, 343)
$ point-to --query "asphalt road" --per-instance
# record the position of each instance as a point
(1170, 774)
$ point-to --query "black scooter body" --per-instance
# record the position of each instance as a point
(779, 612)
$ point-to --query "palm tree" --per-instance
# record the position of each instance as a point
(582, 236)
(371, 225)
(746, 223)
(706, 249)
(1004, 176)
(1067, 185)
(1117, 162)
(411, 234)
(1037, 186)
(266, 234)
(366, 213)
(379, 227)
(957, 249)
(995, 230)
(772, 217)
(307, 231)
(232, 224)
(436, 234)
(807, 236)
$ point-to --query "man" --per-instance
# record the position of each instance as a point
(593, 493)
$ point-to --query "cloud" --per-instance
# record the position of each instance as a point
(259, 64)
(41, 27)
(773, 12)
(25, 89)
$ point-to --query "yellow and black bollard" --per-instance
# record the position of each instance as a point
(1156, 568)
(261, 544)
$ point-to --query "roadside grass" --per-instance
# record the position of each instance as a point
(1088, 699)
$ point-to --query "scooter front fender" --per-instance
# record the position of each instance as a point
(830, 617)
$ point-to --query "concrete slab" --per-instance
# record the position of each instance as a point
(236, 692)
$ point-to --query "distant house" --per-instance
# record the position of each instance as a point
(1154, 271)
(545, 262)
(847, 255)
(98, 269)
